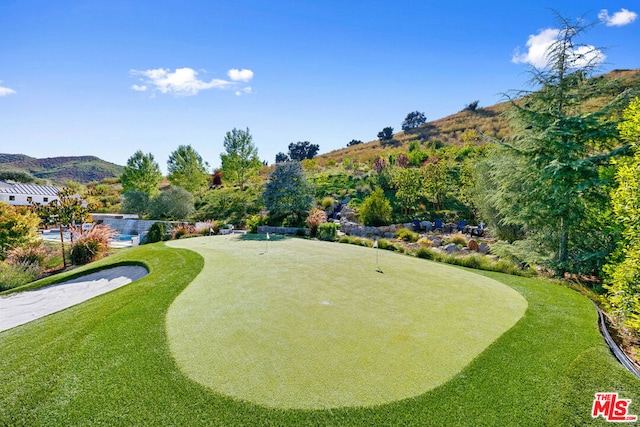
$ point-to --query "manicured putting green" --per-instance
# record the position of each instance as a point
(307, 324)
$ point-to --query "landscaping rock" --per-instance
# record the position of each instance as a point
(483, 248)
(473, 245)
(451, 248)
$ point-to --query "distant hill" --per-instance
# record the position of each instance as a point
(488, 122)
(59, 170)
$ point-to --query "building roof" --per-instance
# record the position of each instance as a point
(28, 189)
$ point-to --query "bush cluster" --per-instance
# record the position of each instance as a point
(17, 274)
(328, 231)
(407, 235)
(91, 245)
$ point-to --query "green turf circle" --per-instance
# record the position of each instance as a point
(305, 324)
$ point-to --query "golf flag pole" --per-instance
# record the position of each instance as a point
(267, 243)
(375, 246)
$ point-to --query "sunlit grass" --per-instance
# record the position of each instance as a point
(107, 362)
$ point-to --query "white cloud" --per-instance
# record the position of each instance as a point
(182, 81)
(539, 44)
(240, 75)
(185, 81)
(4, 91)
(623, 17)
(244, 91)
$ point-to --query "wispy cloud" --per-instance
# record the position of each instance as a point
(538, 47)
(618, 19)
(4, 91)
(184, 81)
(244, 91)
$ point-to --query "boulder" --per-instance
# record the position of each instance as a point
(473, 245)
(483, 248)
(451, 248)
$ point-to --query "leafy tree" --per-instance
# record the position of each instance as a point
(302, 150)
(230, 205)
(135, 202)
(18, 227)
(281, 157)
(187, 169)
(376, 209)
(240, 162)
(288, 195)
(175, 203)
(409, 187)
(141, 173)
(385, 135)
(65, 211)
(354, 142)
(413, 120)
(436, 182)
(548, 173)
(624, 269)
(472, 106)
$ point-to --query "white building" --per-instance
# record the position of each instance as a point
(25, 194)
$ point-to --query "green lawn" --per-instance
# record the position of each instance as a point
(108, 361)
(313, 325)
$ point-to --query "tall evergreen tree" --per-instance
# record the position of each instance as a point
(288, 194)
(547, 174)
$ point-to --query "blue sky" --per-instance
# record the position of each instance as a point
(109, 77)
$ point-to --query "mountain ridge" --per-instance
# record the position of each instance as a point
(58, 170)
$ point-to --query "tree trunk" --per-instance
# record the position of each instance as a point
(563, 249)
(64, 261)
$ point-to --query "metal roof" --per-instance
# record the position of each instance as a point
(29, 189)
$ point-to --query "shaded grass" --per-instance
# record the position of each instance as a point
(106, 362)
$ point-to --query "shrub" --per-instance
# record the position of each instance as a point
(91, 245)
(156, 233)
(203, 227)
(375, 209)
(428, 253)
(18, 274)
(407, 235)
(328, 231)
(301, 232)
(423, 241)
(315, 219)
(459, 239)
(182, 230)
(255, 221)
(327, 202)
(31, 254)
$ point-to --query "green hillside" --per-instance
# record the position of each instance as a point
(59, 170)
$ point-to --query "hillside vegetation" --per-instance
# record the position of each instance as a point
(59, 170)
(489, 124)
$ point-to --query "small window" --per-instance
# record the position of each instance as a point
(45, 199)
(12, 198)
(29, 199)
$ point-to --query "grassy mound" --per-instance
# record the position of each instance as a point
(107, 362)
(313, 324)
